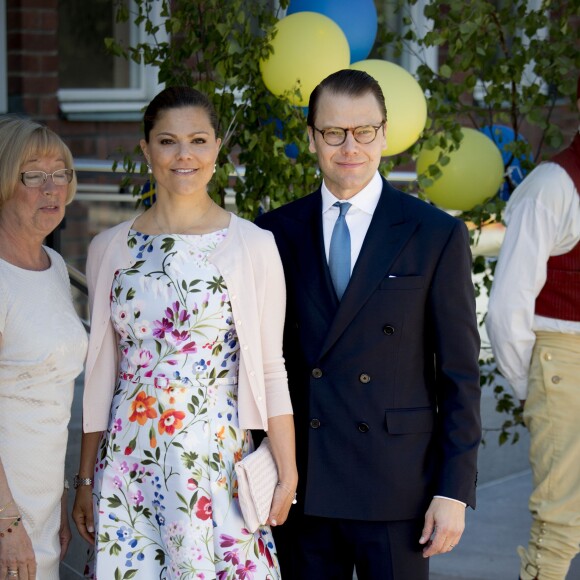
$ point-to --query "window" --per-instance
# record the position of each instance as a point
(528, 76)
(95, 85)
(413, 55)
(3, 71)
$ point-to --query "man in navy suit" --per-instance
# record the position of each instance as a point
(381, 346)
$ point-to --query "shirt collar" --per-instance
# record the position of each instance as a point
(365, 200)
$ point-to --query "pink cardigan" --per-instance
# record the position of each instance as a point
(249, 262)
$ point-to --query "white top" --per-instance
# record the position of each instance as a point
(543, 220)
(358, 217)
(42, 350)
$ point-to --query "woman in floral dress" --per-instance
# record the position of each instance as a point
(185, 356)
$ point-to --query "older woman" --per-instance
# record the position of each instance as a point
(42, 349)
(188, 306)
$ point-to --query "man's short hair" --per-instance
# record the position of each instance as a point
(348, 82)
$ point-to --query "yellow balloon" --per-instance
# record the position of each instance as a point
(307, 48)
(406, 104)
(474, 172)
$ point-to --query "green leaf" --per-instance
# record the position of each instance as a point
(167, 244)
(445, 71)
(114, 501)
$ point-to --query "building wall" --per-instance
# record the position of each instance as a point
(32, 66)
(32, 75)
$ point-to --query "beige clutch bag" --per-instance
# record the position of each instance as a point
(257, 479)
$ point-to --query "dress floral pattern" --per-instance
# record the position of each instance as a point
(165, 485)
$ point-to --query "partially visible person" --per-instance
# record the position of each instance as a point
(533, 323)
(42, 350)
(381, 346)
(187, 307)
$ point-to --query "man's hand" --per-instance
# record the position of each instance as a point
(444, 525)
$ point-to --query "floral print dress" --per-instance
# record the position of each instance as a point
(165, 486)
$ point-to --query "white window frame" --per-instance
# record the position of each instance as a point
(3, 64)
(528, 76)
(413, 55)
(117, 104)
(416, 55)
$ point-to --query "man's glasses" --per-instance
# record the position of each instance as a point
(364, 134)
(38, 178)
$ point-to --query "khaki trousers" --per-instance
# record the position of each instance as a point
(552, 415)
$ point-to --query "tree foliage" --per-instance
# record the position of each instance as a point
(501, 62)
(216, 46)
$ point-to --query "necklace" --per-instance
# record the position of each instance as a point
(184, 231)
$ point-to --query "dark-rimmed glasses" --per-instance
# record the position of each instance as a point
(336, 136)
(38, 178)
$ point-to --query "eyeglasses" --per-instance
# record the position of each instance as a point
(336, 136)
(38, 178)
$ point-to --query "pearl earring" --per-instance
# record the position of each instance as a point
(214, 167)
(149, 170)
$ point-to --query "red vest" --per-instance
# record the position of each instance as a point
(560, 296)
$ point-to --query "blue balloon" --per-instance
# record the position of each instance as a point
(514, 174)
(291, 149)
(356, 18)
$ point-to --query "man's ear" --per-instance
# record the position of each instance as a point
(384, 136)
(311, 143)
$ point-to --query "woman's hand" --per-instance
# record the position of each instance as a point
(64, 533)
(282, 501)
(281, 435)
(82, 513)
(16, 553)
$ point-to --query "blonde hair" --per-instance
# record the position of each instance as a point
(22, 139)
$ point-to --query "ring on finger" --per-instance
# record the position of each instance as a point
(12, 573)
(451, 546)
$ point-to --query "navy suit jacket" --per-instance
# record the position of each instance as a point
(385, 383)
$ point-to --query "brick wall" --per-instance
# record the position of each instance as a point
(32, 63)
(32, 67)
(32, 42)
(32, 58)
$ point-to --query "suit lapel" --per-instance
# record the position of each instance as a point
(387, 235)
(312, 268)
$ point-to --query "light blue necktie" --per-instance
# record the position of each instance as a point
(339, 253)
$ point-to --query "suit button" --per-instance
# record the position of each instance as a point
(388, 329)
(315, 423)
(363, 427)
(364, 378)
(316, 373)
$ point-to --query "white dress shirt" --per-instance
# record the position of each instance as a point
(358, 217)
(543, 220)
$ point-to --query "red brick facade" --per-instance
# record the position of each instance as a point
(32, 63)
(32, 70)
